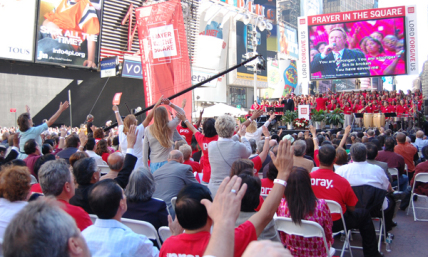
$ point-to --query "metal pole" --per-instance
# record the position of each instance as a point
(254, 43)
(69, 101)
(192, 87)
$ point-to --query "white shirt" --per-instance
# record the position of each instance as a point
(8, 210)
(138, 147)
(257, 134)
(109, 237)
(363, 173)
(98, 159)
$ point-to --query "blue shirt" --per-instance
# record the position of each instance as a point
(109, 237)
(420, 143)
(31, 133)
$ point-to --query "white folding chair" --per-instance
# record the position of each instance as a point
(173, 200)
(93, 217)
(407, 170)
(336, 208)
(164, 233)
(420, 177)
(394, 172)
(379, 232)
(306, 229)
(104, 169)
(1, 247)
(143, 228)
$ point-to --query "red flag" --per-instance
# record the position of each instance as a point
(12, 109)
(164, 55)
(116, 98)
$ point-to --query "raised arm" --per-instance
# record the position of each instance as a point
(149, 117)
(255, 115)
(198, 124)
(62, 107)
(117, 114)
(265, 151)
(283, 162)
(187, 122)
(314, 137)
(345, 136)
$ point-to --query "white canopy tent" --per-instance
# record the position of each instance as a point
(218, 110)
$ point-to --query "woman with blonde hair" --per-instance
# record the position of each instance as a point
(158, 136)
(124, 126)
(252, 132)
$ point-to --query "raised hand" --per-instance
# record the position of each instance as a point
(242, 130)
(283, 161)
(313, 130)
(181, 116)
(83, 138)
(265, 131)
(63, 131)
(166, 101)
(27, 109)
(131, 137)
(64, 106)
(174, 226)
(115, 108)
(227, 202)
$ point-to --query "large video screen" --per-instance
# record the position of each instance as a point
(357, 49)
(68, 32)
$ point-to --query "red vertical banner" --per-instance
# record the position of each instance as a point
(164, 55)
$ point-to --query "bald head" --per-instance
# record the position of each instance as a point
(420, 134)
(401, 137)
(115, 161)
(175, 155)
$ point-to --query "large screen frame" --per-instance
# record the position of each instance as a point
(363, 76)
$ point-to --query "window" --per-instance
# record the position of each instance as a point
(238, 96)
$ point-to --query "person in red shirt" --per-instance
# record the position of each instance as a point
(375, 106)
(56, 180)
(186, 132)
(328, 185)
(347, 110)
(320, 102)
(210, 134)
(187, 153)
(255, 106)
(196, 221)
(332, 105)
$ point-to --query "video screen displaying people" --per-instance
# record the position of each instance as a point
(358, 49)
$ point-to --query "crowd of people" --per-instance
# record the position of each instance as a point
(227, 180)
(406, 106)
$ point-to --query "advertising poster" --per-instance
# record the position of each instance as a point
(303, 67)
(274, 79)
(365, 43)
(287, 41)
(288, 76)
(19, 33)
(164, 55)
(68, 32)
(244, 37)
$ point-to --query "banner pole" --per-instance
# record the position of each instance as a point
(69, 101)
(192, 87)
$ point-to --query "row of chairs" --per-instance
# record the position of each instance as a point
(306, 229)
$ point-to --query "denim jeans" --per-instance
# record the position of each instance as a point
(404, 182)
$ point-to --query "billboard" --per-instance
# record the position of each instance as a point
(282, 78)
(131, 67)
(287, 41)
(365, 43)
(68, 32)
(19, 33)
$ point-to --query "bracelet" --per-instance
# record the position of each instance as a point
(250, 119)
(169, 103)
(61, 137)
(116, 111)
(280, 181)
(186, 121)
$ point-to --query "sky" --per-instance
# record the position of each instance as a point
(405, 82)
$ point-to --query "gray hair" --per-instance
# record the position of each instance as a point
(141, 185)
(253, 145)
(299, 147)
(358, 152)
(260, 145)
(225, 125)
(41, 228)
(52, 177)
(370, 132)
(186, 150)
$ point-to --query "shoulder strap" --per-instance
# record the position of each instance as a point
(222, 156)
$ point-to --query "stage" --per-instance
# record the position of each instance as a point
(285, 131)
